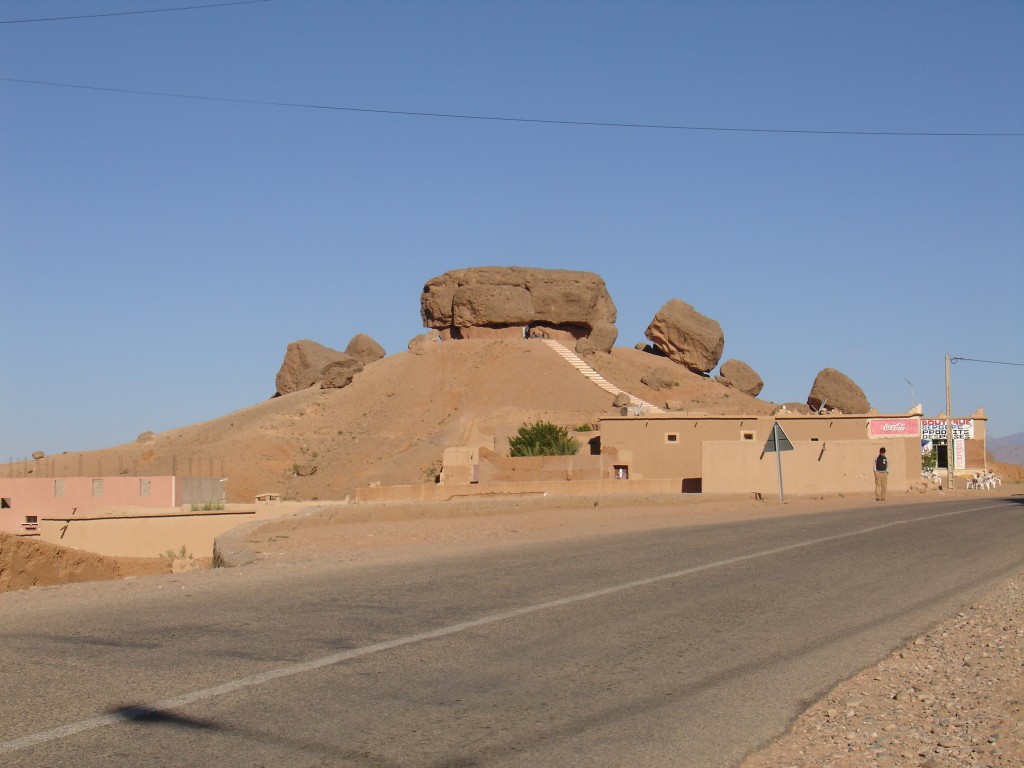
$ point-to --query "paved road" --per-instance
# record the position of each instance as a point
(682, 647)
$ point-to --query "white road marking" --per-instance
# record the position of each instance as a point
(64, 731)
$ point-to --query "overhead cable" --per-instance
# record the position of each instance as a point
(132, 13)
(496, 118)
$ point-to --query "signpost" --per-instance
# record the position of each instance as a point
(777, 443)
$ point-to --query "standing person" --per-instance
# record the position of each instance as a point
(881, 475)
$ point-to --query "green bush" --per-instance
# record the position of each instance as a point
(542, 439)
(930, 460)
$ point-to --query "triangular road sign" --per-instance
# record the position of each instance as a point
(777, 440)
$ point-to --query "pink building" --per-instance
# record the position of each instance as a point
(24, 501)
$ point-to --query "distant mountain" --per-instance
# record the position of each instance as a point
(1009, 449)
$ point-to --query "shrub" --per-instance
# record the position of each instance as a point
(542, 439)
(930, 460)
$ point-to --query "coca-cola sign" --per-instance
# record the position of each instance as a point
(894, 428)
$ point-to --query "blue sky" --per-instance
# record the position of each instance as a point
(159, 253)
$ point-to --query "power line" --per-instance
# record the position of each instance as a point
(133, 13)
(496, 118)
(972, 360)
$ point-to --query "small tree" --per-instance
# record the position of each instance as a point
(542, 438)
(929, 460)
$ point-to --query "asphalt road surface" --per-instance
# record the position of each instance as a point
(679, 647)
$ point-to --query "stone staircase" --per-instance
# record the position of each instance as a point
(636, 405)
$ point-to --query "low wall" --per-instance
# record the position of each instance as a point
(534, 488)
(545, 468)
(152, 533)
(826, 467)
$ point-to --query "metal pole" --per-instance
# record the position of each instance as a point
(778, 456)
(949, 433)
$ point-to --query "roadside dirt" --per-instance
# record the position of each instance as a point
(26, 562)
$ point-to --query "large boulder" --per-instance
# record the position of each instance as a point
(364, 349)
(601, 339)
(500, 302)
(686, 336)
(834, 391)
(304, 365)
(739, 375)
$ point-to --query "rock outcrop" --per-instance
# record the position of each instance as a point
(305, 363)
(339, 373)
(420, 345)
(658, 379)
(364, 349)
(834, 391)
(739, 375)
(601, 339)
(686, 336)
(502, 302)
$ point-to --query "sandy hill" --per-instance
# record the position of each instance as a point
(392, 423)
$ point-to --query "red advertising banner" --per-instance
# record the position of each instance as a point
(894, 428)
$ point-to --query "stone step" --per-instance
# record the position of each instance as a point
(580, 365)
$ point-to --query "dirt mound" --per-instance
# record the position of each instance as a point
(1008, 473)
(27, 563)
(393, 422)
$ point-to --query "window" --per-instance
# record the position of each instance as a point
(144, 486)
(5, 503)
(671, 437)
(747, 435)
(97, 487)
(31, 520)
(621, 472)
(58, 488)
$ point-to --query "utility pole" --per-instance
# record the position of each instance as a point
(949, 433)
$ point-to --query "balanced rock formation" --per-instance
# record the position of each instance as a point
(364, 349)
(508, 302)
(686, 336)
(739, 375)
(834, 391)
(305, 364)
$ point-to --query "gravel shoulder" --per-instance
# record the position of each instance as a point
(953, 697)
